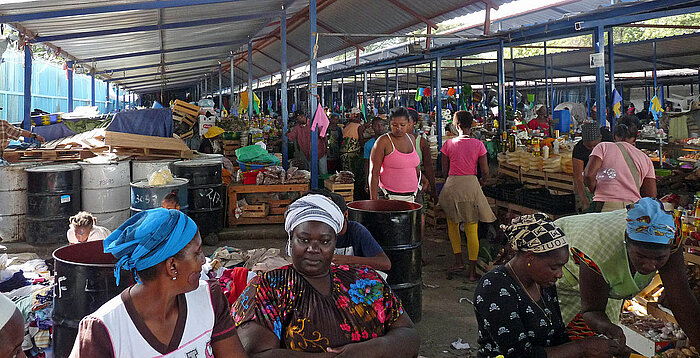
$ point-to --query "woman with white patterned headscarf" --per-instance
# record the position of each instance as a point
(312, 306)
(516, 304)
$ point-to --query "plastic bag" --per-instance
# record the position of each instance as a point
(255, 154)
(161, 177)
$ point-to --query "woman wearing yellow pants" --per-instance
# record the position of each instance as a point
(461, 198)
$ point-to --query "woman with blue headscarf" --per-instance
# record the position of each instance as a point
(615, 255)
(312, 308)
(170, 313)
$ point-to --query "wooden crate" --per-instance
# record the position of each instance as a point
(186, 108)
(347, 191)
(533, 177)
(434, 215)
(255, 211)
(234, 190)
(509, 170)
(279, 207)
(560, 182)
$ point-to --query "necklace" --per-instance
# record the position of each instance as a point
(549, 318)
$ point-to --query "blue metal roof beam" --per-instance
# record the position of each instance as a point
(208, 58)
(146, 5)
(181, 75)
(167, 72)
(175, 25)
(157, 52)
(672, 65)
(554, 68)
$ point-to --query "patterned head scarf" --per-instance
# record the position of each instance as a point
(149, 238)
(312, 207)
(536, 233)
(590, 131)
(647, 221)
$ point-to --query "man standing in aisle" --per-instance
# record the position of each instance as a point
(9, 132)
(301, 133)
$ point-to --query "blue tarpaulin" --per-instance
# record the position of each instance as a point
(153, 122)
(54, 131)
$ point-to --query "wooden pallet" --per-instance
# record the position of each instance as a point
(149, 146)
(45, 155)
(347, 191)
(255, 211)
(279, 207)
(509, 170)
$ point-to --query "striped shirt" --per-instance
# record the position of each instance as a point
(7, 133)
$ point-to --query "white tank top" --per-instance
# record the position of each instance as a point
(196, 339)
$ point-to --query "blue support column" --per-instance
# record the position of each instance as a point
(70, 85)
(386, 89)
(438, 101)
(546, 78)
(116, 104)
(364, 94)
(611, 61)
(124, 99)
(27, 88)
(107, 101)
(221, 90)
(314, 90)
(92, 88)
(250, 79)
(599, 38)
(233, 80)
(588, 101)
(653, 45)
(483, 93)
(432, 89)
(501, 68)
(515, 91)
(283, 86)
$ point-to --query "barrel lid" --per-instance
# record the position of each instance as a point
(153, 161)
(197, 163)
(54, 168)
(143, 183)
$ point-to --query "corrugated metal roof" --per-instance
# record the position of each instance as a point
(334, 16)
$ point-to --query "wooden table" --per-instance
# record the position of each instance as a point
(234, 190)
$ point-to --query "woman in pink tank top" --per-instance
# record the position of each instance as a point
(394, 161)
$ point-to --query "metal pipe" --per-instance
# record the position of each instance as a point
(233, 81)
(92, 88)
(116, 104)
(386, 91)
(515, 91)
(546, 77)
(107, 99)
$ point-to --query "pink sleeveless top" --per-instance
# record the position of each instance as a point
(398, 173)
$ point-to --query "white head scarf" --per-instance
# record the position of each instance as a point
(312, 207)
(7, 309)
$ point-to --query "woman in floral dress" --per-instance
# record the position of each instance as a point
(317, 309)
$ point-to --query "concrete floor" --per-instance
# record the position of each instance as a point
(444, 319)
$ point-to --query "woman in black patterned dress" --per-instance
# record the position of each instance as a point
(516, 304)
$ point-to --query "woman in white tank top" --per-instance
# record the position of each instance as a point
(170, 313)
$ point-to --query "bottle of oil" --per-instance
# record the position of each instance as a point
(536, 146)
(511, 142)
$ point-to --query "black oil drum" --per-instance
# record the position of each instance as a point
(205, 192)
(53, 196)
(396, 225)
(85, 281)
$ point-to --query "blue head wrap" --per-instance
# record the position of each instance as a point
(647, 221)
(149, 238)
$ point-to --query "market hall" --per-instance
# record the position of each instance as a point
(354, 178)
